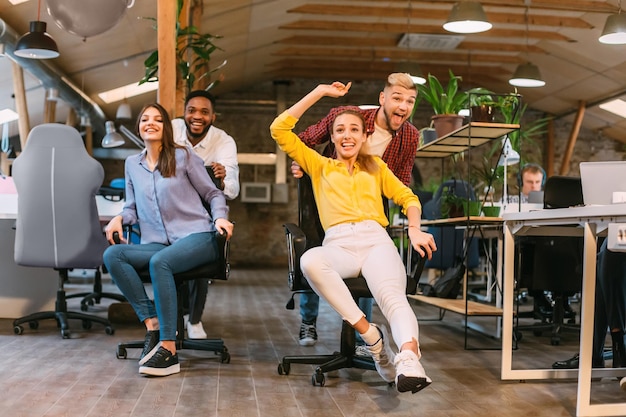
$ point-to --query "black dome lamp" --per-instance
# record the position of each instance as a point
(36, 44)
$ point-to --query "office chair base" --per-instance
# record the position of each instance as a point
(209, 345)
(61, 315)
(93, 297)
(62, 318)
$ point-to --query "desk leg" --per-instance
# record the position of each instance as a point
(507, 304)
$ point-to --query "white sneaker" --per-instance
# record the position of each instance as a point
(622, 384)
(383, 355)
(410, 374)
(195, 331)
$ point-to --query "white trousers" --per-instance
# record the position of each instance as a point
(363, 248)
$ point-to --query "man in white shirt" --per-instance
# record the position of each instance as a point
(219, 151)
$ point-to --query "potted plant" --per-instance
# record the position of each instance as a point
(446, 102)
(193, 53)
(482, 105)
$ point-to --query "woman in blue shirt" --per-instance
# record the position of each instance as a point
(165, 187)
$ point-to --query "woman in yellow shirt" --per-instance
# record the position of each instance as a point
(348, 196)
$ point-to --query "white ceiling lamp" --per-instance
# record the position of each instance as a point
(123, 111)
(527, 74)
(614, 32)
(36, 44)
(467, 17)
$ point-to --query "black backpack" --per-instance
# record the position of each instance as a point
(448, 285)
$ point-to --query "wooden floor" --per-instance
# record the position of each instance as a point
(44, 375)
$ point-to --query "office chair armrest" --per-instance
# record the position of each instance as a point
(296, 245)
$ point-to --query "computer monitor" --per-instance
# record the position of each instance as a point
(601, 179)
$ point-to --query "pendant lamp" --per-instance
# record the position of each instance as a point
(36, 44)
(614, 32)
(527, 75)
(467, 17)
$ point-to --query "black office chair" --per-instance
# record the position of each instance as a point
(308, 234)
(57, 221)
(219, 269)
(553, 263)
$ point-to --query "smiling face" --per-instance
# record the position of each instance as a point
(151, 125)
(396, 103)
(199, 116)
(348, 135)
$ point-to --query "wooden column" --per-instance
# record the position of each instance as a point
(569, 150)
(166, 38)
(20, 103)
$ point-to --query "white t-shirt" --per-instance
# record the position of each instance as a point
(216, 146)
(377, 142)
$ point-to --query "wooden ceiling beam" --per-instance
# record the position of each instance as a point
(584, 6)
(370, 42)
(397, 55)
(374, 27)
(438, 14)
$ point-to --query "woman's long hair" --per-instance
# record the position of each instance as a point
(167, 155)
(365, 160)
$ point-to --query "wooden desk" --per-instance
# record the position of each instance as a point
(588, 222)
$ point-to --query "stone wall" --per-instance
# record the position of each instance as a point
(259, 238)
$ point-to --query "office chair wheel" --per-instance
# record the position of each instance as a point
(537, 333)
(518, 335)
(120, 353)
(318, 379)
(284, 368)
(87, 324)
(65, 334)
(555, 341)
(225, 357)
(34, 325)
(18, 329)
(109, 330)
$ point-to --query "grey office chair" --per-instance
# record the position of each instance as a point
(57, 220)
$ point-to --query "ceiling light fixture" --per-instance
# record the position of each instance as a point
(614, 32)
(36, 44)
(527, 74)
(123, 111)
(406, 66)
(467, 17)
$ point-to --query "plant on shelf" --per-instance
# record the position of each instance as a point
(446, 102)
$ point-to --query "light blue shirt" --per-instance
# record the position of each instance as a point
(168, 209)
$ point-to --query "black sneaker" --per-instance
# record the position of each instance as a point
(308, 334)
(150, 345)
(162, 363)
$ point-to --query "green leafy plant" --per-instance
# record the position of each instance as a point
(448, 100)
(193, 54)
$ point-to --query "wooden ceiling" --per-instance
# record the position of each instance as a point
(265, 40)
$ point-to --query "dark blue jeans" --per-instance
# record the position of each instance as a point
(163, 261)
(310, 306)
(610, 306)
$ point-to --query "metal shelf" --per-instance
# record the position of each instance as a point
(468, 136)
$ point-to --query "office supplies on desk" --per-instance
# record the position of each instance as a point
(601, 179)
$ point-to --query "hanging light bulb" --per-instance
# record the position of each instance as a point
(614, 32)
(36, 44)
(467, 17)
(527, 74)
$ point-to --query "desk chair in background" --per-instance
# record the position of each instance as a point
(218, 269)
(57, 220)
(553, 263)
(308, 234)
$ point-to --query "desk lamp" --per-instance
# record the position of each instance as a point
(112, 139)
(508, 157)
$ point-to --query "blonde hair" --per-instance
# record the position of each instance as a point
(400, 79)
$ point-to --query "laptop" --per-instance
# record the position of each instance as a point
(600, 180)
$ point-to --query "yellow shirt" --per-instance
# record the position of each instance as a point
(341, 197)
